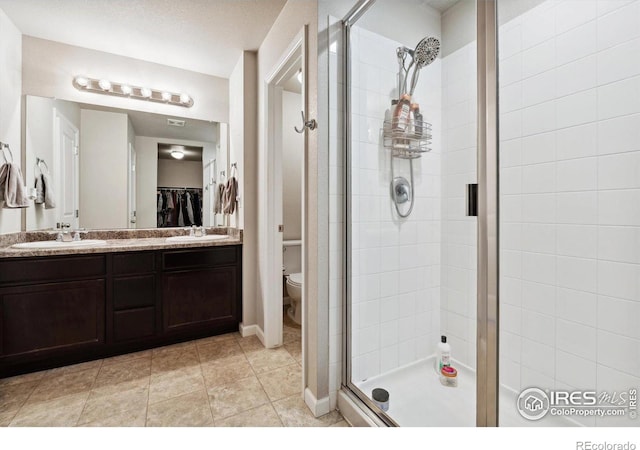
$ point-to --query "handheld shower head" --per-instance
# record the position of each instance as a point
(425, 53)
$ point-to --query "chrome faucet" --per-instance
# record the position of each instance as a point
(77, 232)
(64, 235)
(197, 231)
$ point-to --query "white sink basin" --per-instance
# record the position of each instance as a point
(42, 245)
(186, 239)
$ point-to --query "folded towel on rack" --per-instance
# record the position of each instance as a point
(39, 185)
(49, 197)
(230, 196)
(12, 188)
(218, 199)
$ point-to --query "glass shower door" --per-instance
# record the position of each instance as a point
(411, 246)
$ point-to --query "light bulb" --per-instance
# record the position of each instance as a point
(184, 98)
(105, 85)
(177, 154)
(126, 89)
(166, 96)
(145, 92)
(82, 81)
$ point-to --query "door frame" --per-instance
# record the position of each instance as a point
(295, 57)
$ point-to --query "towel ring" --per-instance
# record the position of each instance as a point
(4, 146)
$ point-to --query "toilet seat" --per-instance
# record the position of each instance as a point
(295, 279)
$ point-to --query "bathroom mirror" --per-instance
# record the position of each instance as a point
(109, 168)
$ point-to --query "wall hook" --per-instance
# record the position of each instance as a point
(311, 124)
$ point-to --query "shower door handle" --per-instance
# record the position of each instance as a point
(471, 192)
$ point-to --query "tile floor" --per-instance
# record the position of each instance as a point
(225, 381)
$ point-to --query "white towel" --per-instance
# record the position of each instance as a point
(12, 188)
(39, 190)
(49, 196)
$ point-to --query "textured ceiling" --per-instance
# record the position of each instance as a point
(204, 36)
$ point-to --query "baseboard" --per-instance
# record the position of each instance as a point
(249, 330)
(317, 407)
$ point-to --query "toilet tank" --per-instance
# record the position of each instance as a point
(291, 257)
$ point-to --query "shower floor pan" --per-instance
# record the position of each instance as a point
(418, 399)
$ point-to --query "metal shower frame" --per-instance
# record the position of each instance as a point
(487, 376)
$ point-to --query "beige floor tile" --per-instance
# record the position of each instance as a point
(226, 370)
(128, 357)
(215, 339)
(12, 397)
(218, 350)
(26, 378)
(89, 365)
(294, 413)
(262, 416)
(128, 371)
(342, 423)
(177, 358)
(134, 418)
(99, 407)
(54, 386)
(60, 412)
(295, 350)
(172, 348)
(234, 398)
(269, 359)
(282, 382)
(250, 344)
(166, 385)
(190, 410)
(7, 417)
(290, 334)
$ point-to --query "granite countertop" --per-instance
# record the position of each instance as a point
(117, 241)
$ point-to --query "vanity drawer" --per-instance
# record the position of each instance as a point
(134, 292)
(128, 263)
(187, 259)
(41, 270)
(134, 324)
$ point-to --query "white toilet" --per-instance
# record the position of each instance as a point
(294, 289)
(292, 268)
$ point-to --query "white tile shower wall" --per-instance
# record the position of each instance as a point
(458, 246)
(570, 197)
(396, 262)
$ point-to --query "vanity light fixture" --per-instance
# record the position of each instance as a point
(177, 154)
(104, 86)
(299, 76)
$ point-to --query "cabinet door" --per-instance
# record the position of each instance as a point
(198, 299)
(52, 318)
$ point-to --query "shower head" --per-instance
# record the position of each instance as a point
(425, 53)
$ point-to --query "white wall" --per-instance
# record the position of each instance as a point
(292, 158)
(39, 123)
(243, 150)
(147, 176)
(10, 107)
(103, 168)
(49, 68)
(179, 174)
(570, 196)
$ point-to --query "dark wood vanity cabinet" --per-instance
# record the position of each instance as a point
(66, 309)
